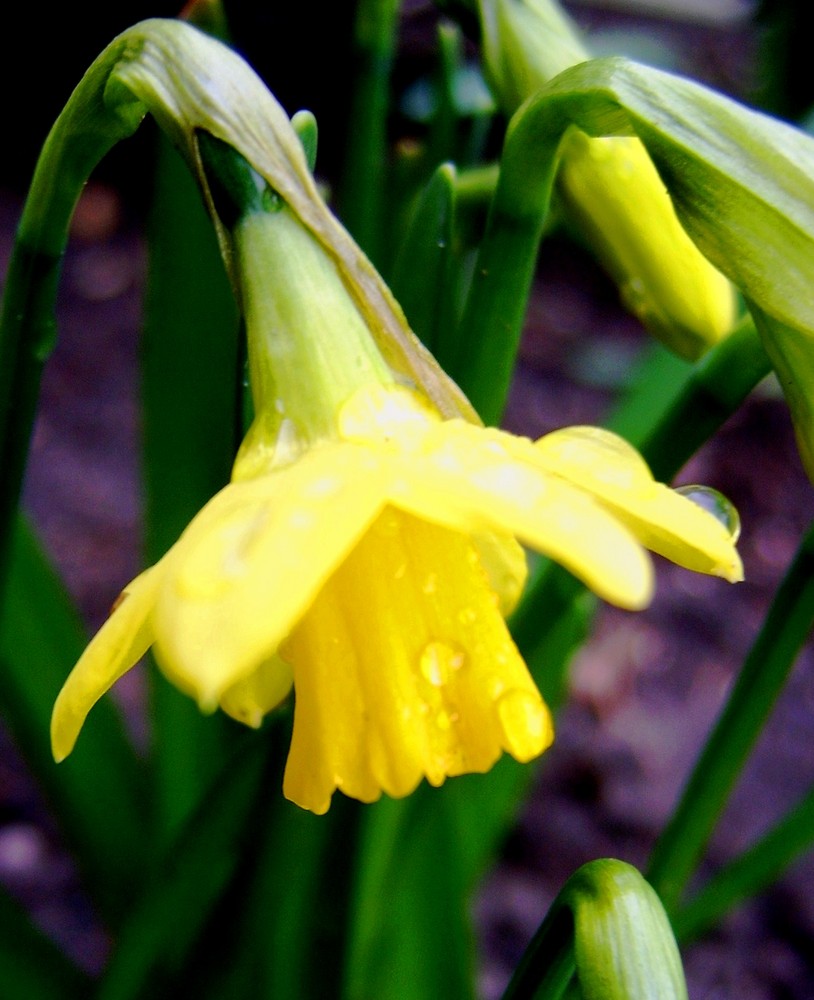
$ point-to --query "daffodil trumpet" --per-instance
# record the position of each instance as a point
(367, 550)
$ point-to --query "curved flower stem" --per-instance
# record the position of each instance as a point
(84, 133)
(763, 675)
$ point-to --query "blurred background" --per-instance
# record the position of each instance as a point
(647, 687)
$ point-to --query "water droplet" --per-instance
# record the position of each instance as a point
(714, 503)
(467, 616)
(525, 723)
(430, 584)
(301, 519)
(634, 295)
(438, 660)
(118, 602)
(400, 571)
(443, 720)
(323, 486)
(496, 687)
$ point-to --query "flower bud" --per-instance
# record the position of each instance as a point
(611, 188)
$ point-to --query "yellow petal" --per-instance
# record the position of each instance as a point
(663, 520)
(252, 562)
(249, 700)
(404, 668)
(468, 479)
(505, 564)
(120, 643)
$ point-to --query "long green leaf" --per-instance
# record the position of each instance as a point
(750, 873)
(364, 180)
(31, 966)
(98, 794)
(425, 270)
(411, 938)
(154, 945)
(760, 681)
(191, 377)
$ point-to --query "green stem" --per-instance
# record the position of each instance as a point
(764, 673)
(495, 308)
(711, 392)
(191, 376)
(750, 873)
(84, 132)
(549, 963)
(363, 185)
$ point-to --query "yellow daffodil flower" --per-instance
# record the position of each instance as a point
(366, 553)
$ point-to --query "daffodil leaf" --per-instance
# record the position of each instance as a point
(424, 273)
(98, 793)
(191, 378)
(411, 938)
(750, 873)
(759, 683)
(165, 921)
(363, 184)
(31, 966)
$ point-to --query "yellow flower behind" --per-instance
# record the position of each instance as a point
(373, 571)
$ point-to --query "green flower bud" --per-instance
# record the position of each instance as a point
(624, 945)
(608, 929)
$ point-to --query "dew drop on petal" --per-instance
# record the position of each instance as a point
(443, 720)
(714, 503)
(467, 616)
(525, 723)
(438, 660)
(430, 584)
(324, 486)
